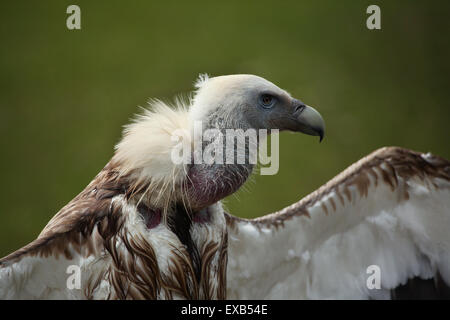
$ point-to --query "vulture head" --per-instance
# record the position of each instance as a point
(238, 102)
(248, 101)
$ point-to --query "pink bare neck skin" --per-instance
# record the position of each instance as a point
(152, 217)
(207, 184)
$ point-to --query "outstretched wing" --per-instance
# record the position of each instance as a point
(380, 229)
(69, 246)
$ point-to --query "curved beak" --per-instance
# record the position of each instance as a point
(309, 121)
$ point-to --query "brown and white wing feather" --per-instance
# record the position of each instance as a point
(391, 209)
(75, 236)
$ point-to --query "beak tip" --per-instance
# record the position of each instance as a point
(310, 122)
(319, 131)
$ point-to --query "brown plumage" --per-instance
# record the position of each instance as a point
(92, 224)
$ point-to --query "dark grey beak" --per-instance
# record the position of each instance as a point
(309, 121)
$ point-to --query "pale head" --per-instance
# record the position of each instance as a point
(247, 101)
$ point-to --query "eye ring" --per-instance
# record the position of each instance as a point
(267, 100)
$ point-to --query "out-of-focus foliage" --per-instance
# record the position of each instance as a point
(64, 95)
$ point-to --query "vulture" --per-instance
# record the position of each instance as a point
(149, 227)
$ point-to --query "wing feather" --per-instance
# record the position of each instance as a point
(390, 210)
(73, 237)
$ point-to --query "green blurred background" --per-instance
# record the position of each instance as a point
(64, 95)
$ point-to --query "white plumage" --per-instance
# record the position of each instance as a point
(147, 228)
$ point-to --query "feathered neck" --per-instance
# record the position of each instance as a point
(143, 156)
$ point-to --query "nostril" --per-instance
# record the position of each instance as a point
(299, 108)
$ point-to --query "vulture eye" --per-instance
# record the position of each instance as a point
(267, 101)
